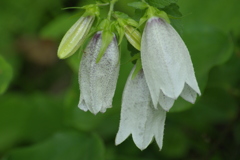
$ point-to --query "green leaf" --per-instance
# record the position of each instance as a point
(160, 3)
(107, 38)
(138, 14)
(76, 117)
(213, 45)
(56, 28)
(226, 76)
(178, 25)
(216, 106)
(133, 52)
(175, 142)
(122, 15)
(173, 10)
(221, 14)
(120, 32)
(208, 47)
(175, 16)
(138, 5)
(135, 57)
(137, 69)
(28, 118)
(70, 145)
(104, 1)
(6, 74)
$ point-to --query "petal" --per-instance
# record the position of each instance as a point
(190, 77)
(98, 80)
(189, 94)
(161, 59)
(156, 125)
(165, 102)
(189, 73)
(166, 61)
(138, 115)
(110, 63)
(83, 105)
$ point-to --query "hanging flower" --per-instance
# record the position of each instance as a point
(138, 115)
(167, 64)
(98, 80)
(77, 34)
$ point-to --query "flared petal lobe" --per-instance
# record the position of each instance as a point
(166, 62)
(98, 80)
(138, 115)
(75, 37)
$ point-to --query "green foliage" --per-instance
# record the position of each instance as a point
(170, 7)
(210, 43)
(175, 16)
(173, 10)
(22, 116)
(39, 117)
(5, 74)
(137, 69)
(161, 3)
(64, 20)
(221, 16)
(138, 5)
(175, 141)
(62, 146)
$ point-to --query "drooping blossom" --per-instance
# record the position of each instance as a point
(167, 64)
(138, 115)
(98, 80)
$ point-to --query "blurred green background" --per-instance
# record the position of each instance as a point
(39, 118)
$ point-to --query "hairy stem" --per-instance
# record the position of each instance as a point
(111, 8)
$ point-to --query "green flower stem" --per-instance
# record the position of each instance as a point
(111, 8)
(102, 4)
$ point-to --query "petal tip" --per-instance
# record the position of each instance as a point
(120, 138)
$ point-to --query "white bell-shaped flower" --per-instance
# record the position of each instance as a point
(138, 115)
(167, 64)
(98, 80)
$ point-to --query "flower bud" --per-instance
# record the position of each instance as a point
(75, 37)
(133, 36)
(77, 34)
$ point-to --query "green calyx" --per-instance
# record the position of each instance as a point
(137, 69)
(154, 12)
(123, 19)
(120, 30)
(91, 10)
(106, 26)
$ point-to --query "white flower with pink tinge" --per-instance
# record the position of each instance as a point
(167, 64)
(98, 80)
